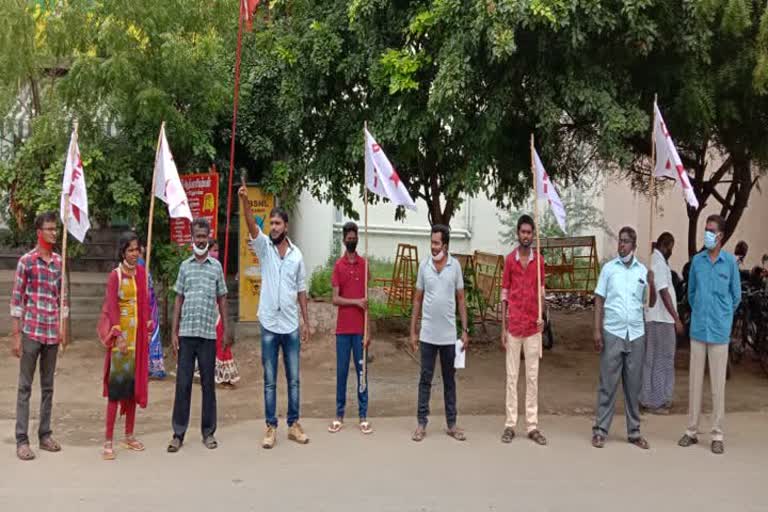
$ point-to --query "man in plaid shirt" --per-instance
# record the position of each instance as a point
(36, 334)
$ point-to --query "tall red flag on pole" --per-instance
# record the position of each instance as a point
(249, 10)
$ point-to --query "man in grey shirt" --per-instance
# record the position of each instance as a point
(439, 288)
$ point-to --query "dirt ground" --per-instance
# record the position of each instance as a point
(568, 379)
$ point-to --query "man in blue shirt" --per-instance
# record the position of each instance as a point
(714, 293)
(623, 284)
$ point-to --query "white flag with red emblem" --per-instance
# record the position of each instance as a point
(381, 177)
(77, 221)
(167, 183)
(546, 190)
(668, 163)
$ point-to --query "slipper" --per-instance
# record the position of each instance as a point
(640, 442)
(335, 426)
(365, 427)
(419, 434)
(175, 445)
(210, 442)
(456, 433)
(537, 437)
(24, 452)
(108, 452)
(598, 441)
(49, 444)
(133, 444)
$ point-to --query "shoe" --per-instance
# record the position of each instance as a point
(269, 437)
(296, 433)
(718, 448)
(508, 435)
(687, 441)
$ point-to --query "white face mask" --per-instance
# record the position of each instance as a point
(439, 256)
(628, 257)
(199, 252)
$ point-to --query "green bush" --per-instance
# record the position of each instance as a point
(320, 283)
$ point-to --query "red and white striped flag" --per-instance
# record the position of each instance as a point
(546, 190)
(668, 163)
(77, 221)
(381, 178)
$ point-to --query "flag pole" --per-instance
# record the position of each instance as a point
(235, 102)
(538, 241)
(653, 178)
(364, 376)
(152, 203)
(63, 297)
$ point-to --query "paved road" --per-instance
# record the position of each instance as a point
(388, 472)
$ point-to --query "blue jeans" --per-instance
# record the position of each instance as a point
(346, 344)
(270, 348)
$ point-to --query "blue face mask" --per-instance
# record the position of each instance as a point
(710, 240)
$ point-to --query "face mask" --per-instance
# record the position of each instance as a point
(198, 251)
(351, 246)
(42, 243)
(277, 240)
(628, 257)
(439, 256)
(710, 240)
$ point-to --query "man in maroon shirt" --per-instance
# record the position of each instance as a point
(521, 329)
(349, 280)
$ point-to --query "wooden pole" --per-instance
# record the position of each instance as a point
(152, 202)
(653, 180)
(63, 299)
(364, 376)
(238, 53)
(538, 241)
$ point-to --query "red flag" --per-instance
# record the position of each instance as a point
(248, 8)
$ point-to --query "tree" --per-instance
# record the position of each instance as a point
(120, 68)
(452, 90)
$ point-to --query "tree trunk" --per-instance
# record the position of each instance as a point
(693, 222)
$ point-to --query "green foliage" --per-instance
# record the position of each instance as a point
(166, 260)
(320, 283)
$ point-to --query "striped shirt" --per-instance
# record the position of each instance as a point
(35, 297)
(201, 284)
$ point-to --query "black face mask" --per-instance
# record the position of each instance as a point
(351, 246)
(277, 240)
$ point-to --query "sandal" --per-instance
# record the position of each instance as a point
(133, 444)
(335, 426)
(687, 441)
(210, 442)
(175, 445)
(598, 441)
(537, 437)
(640, 442)
(24, 452)
(717, 447)
(419, 434)
(108, 452)
(456, 433)
(508, 435)
(365, 427)
(49, 444)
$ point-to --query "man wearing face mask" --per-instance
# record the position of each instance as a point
(35, 332)
(349, 279)
(662, 327)
(621, 289)
(201, 297)
(283, 295)
(714, 293)
(439, 289)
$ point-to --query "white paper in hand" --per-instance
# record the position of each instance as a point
(460, 360)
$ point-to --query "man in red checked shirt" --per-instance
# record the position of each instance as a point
(35, 332)
(521, 329)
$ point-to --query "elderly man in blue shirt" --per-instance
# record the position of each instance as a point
(714, 293)
(623, 284)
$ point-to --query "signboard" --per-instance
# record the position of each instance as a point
(203, 198)
(249, 265)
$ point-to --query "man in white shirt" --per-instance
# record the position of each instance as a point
(662, 326)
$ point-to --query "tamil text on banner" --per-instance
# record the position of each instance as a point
(203, 197)
(249, 264)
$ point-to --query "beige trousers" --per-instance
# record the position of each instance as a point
(531, 348)
(717, 353)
